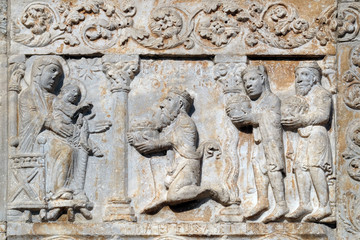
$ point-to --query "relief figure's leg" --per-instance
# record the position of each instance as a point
(262, 185)
(319, 180)
(186, 187)
(303, 183)
(184, 178)
(319, 155)
(277, 184)
(60, 156)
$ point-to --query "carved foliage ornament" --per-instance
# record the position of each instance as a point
(101, 24)
(120, 74)
(350, 212)
(352, 80)
(352, 152)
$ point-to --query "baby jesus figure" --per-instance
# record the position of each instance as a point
(66, 108)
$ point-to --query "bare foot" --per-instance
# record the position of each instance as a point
(220, 194)
(320, 213)
(153, 207)
(53, 214)
(260, 207)
(300, 212)
(279, 212)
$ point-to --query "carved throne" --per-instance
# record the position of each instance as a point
(27, 171)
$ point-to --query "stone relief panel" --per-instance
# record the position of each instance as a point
(146, 124)
(180, 119)
(162, 154)
(180, 26)
(51, 138)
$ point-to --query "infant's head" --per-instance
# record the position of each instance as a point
(71, 93)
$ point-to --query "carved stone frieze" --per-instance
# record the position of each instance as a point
(178, 119)
(102, 24)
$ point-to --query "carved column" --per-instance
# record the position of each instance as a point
(120, 71)
(228, 70)
(17, 71)
(3, 119)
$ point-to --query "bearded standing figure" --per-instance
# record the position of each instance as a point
(267, 155)
(178, 137)
(313, 160)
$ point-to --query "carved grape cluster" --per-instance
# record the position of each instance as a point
(166, 22)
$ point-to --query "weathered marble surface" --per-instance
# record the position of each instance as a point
(177, 119)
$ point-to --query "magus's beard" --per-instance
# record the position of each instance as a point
(168, 117)
(303, 89)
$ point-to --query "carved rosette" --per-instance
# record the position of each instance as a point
(352, 152)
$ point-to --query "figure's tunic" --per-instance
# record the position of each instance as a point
(314, 136)
(182, 135)
(268, 150)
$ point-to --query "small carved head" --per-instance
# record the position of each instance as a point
(255, 81)
(48, 73)
(185, 99)
(307, 74)
(71, 93)
(175, 102)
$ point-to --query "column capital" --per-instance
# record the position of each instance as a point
(120, 70)
(227, 71)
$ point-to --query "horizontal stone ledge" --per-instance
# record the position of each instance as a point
(316, 231)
